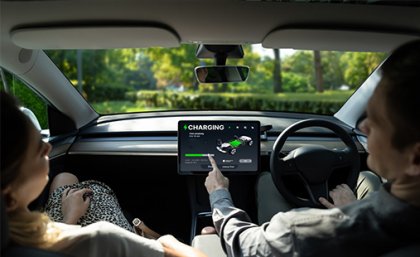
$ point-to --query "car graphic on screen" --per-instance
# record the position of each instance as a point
(231, 146)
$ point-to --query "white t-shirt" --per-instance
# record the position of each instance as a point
(104, 239)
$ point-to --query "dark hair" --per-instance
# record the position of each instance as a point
(14, 138)
(401, 81)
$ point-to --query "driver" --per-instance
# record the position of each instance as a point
(386, 220)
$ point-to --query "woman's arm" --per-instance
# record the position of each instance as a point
(174, 248)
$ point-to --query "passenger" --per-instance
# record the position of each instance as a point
(85, 202)
(386, 220)
(24, 175)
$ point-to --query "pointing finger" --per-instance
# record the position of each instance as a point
(212, 161)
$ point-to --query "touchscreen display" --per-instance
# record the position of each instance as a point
(235, 145)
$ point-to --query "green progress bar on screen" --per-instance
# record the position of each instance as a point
(198, 155)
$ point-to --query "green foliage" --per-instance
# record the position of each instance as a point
(27, 98)
(293, 82)
(260, 77)
(327, 103)
(301, 62)
(107, 72)
(131, 80)
(333, 73)
(115, 107)
(106, 93)
(110, 75)
(174, 65)
(358, 66)
(350, 68)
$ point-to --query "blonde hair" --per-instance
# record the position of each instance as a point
(25, 228)
(34, 229)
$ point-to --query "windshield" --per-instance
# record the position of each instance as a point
(160, 79)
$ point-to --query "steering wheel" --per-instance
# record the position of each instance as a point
(314, 164)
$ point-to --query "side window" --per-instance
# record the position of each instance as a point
(32, 104)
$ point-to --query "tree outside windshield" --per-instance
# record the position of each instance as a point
(156, 79)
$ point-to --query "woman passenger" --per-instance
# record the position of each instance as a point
(24, 175)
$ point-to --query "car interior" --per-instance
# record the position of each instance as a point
(156, 161)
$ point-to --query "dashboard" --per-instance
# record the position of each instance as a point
(151, 135)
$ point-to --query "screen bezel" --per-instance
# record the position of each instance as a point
(258, 144)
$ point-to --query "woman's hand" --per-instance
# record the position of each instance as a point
(215, 180)
(74, 204)
(174, 248)
(341, 195)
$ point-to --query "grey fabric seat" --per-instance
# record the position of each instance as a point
(271, 202)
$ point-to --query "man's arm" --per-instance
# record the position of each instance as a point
(239, 236)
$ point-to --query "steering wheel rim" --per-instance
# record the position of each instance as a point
(313, 164)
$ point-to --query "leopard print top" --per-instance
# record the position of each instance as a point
(103, 206)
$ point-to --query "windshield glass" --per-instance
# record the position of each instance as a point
(160, 79)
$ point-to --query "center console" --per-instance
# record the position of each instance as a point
(235, 146)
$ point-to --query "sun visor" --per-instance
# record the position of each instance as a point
(94, 37)
(338, 40)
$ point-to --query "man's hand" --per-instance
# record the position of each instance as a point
(74, 204)
(215, 180)
(341, 195)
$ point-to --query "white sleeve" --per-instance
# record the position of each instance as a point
(104, 239)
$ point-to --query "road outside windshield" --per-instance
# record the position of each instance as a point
(158, 79)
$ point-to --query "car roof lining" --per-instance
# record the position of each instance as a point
(209, 21)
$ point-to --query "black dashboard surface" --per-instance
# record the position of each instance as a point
(155, 134)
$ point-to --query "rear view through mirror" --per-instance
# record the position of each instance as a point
(221, 74)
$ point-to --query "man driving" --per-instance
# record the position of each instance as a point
(386, 220)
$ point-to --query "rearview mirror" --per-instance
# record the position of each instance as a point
(221, 74)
